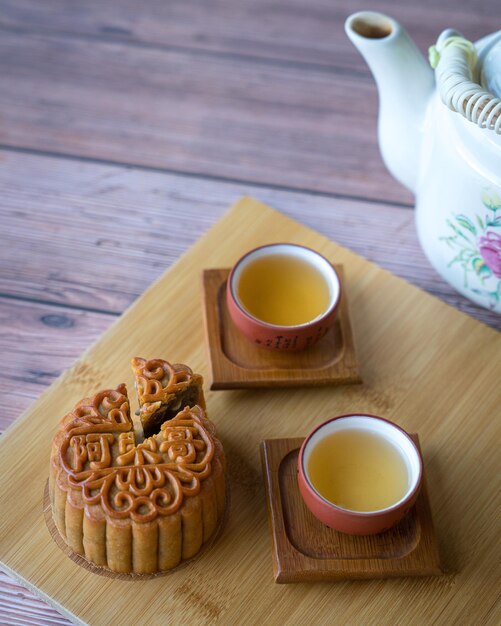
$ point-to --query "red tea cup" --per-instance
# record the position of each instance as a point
(358, 522)
(278, 337)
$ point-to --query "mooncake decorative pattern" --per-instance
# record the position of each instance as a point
(131, 507)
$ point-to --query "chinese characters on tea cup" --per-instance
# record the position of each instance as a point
(283, 296)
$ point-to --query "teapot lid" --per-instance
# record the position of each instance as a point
(469, 81)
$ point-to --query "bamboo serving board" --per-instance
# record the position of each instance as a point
(424, 365)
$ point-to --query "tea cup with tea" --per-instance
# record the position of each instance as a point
(359, 474)
(283, 296)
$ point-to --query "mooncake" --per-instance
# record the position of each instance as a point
(138, 506)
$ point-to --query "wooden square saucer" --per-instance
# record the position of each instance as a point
(237, 364)
(304, 549)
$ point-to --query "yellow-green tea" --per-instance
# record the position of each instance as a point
(284, 290)
(358, 470)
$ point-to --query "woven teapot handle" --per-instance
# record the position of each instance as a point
(455, 60)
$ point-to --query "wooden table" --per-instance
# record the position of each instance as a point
(126, 128)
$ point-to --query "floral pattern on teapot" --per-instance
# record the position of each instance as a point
(477, 247)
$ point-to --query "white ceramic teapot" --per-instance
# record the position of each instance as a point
(440, 135)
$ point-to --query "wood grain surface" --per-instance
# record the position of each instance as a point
(39, 341)
(295, 31)
(277, 125)
(127, 128)
(434, 387)
(300, 127)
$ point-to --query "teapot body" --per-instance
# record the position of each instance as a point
(458, 204)
(440, 135)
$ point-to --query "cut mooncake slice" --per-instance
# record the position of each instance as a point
(163, 390)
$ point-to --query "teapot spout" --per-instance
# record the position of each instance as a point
(405, 83)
